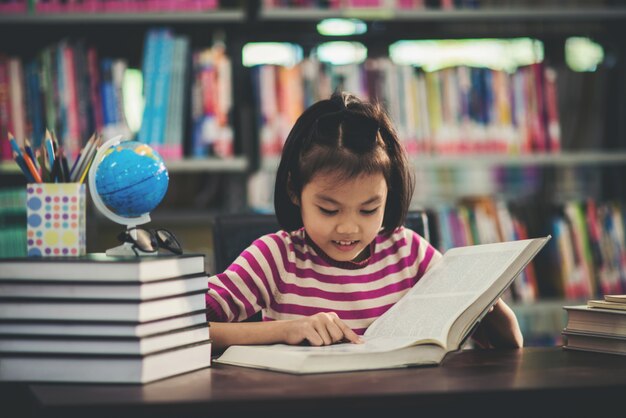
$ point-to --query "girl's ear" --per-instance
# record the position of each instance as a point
(295, 199)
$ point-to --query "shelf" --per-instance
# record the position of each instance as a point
(231, 165)
(217, 16)
(493, 14)
(562, 159)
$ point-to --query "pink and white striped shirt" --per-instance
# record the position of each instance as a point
(287, 276)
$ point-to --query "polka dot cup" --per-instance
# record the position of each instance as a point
(55, 219)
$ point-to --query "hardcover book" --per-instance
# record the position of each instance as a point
(142, 269)
(96, 368)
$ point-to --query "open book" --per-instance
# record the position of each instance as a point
(434, 318)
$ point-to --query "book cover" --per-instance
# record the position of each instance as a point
(16, 327)
(102, 310)
(584, 318)
(102, 267)
(103, 289)
(95, 368)
(595, 342)
(71, 344)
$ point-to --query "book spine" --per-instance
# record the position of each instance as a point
(5, 127)
(16, 95)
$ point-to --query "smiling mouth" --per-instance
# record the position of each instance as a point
(345, 243)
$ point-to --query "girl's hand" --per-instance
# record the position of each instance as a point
(324, 328)
(499, 328)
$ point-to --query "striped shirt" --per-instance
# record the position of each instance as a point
(286, 276)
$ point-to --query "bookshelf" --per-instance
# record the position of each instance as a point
(213, 184)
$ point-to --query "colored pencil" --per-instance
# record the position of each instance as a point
(31, 168)
(79, 156)
(22, 164)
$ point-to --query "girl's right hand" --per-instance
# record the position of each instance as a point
(324, 328)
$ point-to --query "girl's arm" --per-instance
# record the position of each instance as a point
(499, 328)
(320, 329)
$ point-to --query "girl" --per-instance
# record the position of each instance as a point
(342, 258)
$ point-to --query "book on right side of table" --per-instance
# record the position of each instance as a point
(586, 319)
(596, 342)
(615, 298)
(605, 304)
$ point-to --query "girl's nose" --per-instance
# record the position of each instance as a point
(347, 226)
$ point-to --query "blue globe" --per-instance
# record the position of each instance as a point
(131, 179)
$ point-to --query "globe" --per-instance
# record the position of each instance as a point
(127, 180)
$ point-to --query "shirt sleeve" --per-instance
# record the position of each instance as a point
(245, 287)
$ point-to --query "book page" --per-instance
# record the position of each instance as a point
(430, 308)
(371, 345)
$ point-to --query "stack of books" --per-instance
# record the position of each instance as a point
(100, 319)
(598, 326)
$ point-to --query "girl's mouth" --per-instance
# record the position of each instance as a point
(345, 245)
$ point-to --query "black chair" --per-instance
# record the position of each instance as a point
(233, 233)
(418, 222)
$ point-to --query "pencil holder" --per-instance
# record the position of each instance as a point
(55, 219)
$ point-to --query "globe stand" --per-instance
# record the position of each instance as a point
(126, 249)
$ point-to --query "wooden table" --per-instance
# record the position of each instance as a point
(529, 382)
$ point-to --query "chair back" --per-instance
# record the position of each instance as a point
(418, 221)
(233, 233)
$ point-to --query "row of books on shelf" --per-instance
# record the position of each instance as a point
(130, 320)
(97, 6)
(364, 4)
(598, 326)
(453, 110)
(68, 89)
(425, 4)
(586, 257)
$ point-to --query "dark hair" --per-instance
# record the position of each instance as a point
(347, 136)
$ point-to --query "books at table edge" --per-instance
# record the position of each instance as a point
(70, 345)
(142, 269)
(125, 311)
(128, 290)
(77, 368)
(70, 327)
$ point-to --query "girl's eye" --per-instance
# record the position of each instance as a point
(369, 212)
(328, 211)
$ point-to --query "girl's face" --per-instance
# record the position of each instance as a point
(342, 218)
